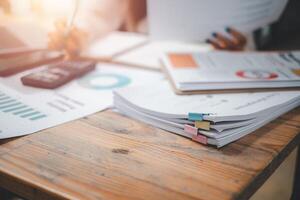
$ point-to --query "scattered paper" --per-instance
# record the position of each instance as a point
(25, 110)
(149, 55)
(114, 44)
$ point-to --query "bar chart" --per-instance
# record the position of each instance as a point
(12, 106)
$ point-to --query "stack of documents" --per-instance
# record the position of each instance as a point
(215, 119)
(232, 70)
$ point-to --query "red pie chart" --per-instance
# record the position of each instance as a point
(256, 74)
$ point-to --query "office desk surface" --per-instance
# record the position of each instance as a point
(109, 156)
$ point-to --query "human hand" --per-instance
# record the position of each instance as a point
(71, 41)
(237, 42)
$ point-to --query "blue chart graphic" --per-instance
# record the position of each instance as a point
(10, 105)
(104, 81)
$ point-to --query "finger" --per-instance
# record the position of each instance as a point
(238, 45)
(79, 33)
(74, 43)
(72, 48)
(78, 37)
(55, 42)
(221, 44)
(227, 43)
(236, 41)
(214, 43)
(56, 39)
(60, 27)
(237, 35)
(60, 23)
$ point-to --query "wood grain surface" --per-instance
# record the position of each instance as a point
(109, 156)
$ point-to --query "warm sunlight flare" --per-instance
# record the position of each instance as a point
(42, 11)
(150, 99)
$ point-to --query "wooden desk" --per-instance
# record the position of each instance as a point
(109, 156)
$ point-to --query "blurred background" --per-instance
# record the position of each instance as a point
(98, 17)
(36, 22)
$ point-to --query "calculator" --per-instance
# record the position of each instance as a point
(58, 74)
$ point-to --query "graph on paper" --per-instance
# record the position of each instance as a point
(9, 105)
(25, 110)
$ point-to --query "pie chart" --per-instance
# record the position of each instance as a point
(104, 81)
(256, 74)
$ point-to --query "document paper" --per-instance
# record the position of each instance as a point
(196, 20)
(215, 119)
(25, 110)
(233, 70)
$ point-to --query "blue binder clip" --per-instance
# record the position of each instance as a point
(196, 116)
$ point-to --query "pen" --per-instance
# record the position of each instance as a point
(71, 22)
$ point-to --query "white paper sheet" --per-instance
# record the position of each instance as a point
(25, 110)
(159, 107)
(196, 20)
(162, 102)
(215, 138)
(114, 44)
(149, 55)
(225, 70)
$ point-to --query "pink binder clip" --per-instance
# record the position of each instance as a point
(190, 129)
(200, 138)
